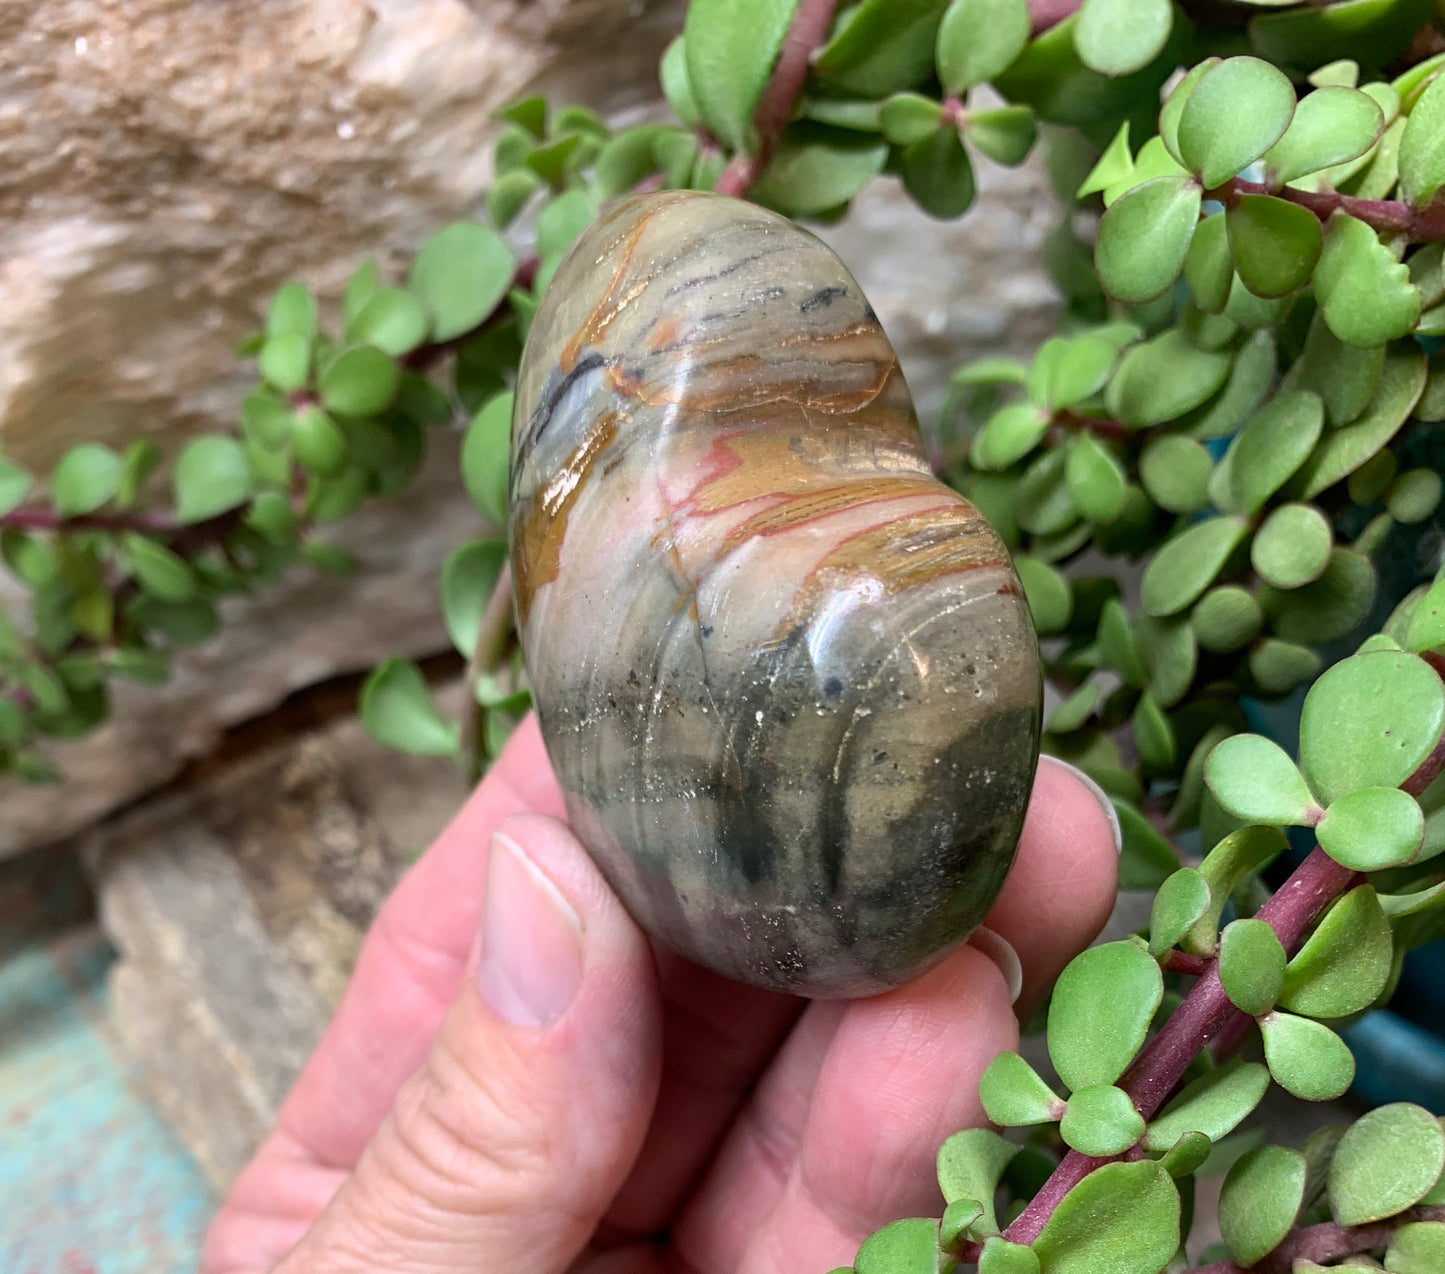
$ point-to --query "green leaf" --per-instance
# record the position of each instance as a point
(1174, 104)
(14, 484)
(1102, 1005)
(881, 46)
(359, 381)
(1115, 166)
(1346, 962)
(391, 319)
(1187, 1155)
(1365, 294)
(937, 173)
(1225, 867)
(1331, 126)
(1153, 734)
(485, 458)
(1422, 146)
(1370, 721)
(363, 282)
(1162, 379)
(285, 361)
(266, 419)
(1170, 655)
(1248, 381)
(1328, 608)
(459, 275)
(1047, 592)
(1370, 31)
(1187, 564)
(211, 476)
(1147, 858)
(509, 194)
(1074, 711)
(1426, 629)
(1373, 828)
(1117, 648)
(1418, 1248)
(1215, 1104)
(1005, 134)
(1235, 113)
(469, 575)
(1144, 238)
(1345, 376)
(1260, 1200)
(29, 558)
(561, 221)
(1274, 244)
(318, 443)
(1115, 37)
(1175, 472)
(529, 113)
(1254, 779)
(1043, 506)
(1251, 965)
(86, 478)
(1180, 902)
(1095, 480)
(1414, 496)
(672, 74)
(909, 117)
(293, 309)
(1123, 1218)
(979, 39)
(813, 173)
(970, 1164)
(1306, 1058)
(999, 1256)
(1293, 546)
(900, 1247)
(1274, 444)
(1386, 1162)
(1101, 1120)
(182, 623)
(1013, 1095)
(1345, 449)
(398, 712)
(159, 570)
(1226, 618)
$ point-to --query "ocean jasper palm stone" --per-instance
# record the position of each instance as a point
(786, 677)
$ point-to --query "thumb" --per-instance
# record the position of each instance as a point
(503, 1151)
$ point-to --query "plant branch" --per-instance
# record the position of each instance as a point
(1325, 1242)
(1044, 14)
(806, 33)
(492, 633)
(425, 357)
(1419, 225)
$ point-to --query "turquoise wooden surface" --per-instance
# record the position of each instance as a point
(91, 1181)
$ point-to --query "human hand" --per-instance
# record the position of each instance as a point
(558, 1095)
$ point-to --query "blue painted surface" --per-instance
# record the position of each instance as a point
(91, 1181)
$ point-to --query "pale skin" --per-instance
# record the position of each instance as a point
(560, 1096)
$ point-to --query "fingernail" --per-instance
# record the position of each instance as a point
(530, 964)
(1000, 950)
(1097, 793)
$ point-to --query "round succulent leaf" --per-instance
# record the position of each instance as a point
(1343, 450)
(1188, 563)
(1075, 711)
(1094, 479)
(1274, 444)
(285, 361)
(1101, 1121)
(1065, 373)
(1115, 167)
(159, 570)
(1251, 965)
(1102, 1005)
(1306, 1058)
(211, 476)
(1144, 238)
(816, 172)
(1373, 828)
(1346, 963)
(391, 319)
(1010, 434)
(1117, 647)
(1243, 851)
(909, 117)
(1215, 1104)
(1422, 146)
(1331, 126)
(999, 1256)
(15, 484)
(1329, 607)
(485, 457)
(360, 381)
(510, 191)
(1344, 376)
(1417, 1248)
(1123, 1218)
(1426, 627)
(266, 419)
(562, 220)
(1043, 506)
(1048, 593)
(1209, 267)
(1006, 134)
(1173, 108)
(1162, 379)
(1249, 379)
(1293, 546)
(1369, 31)
(1365, 294)
(1273, 243)
(1014, 1096)
(730, 47)
(397, 710)
(970, 1165)
(1116, 37)
(1373, 537)
(86, 477)
(1180, 902)
(293, 309)
(1277, 667)
(469, 575)
(1414, 496)
(318, 442)
(1226, 618)
(1187, 1155)
(1387, 1161)
(1235, 113)
(979, 39)
(938, 174)
(909, 1246)
(960, 1219)
(676, 87)
(1170, 655)
(459, 276)
(1260, 1200)
(1153, 733)
(1153, 160)
(1175, 473)
(1370, 721)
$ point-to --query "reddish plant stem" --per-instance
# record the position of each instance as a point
(1194, 966)
(39, 519)
(1419, 225)
(1326, 1242)
(1044, 14)
(806, 33)
(1110, 430)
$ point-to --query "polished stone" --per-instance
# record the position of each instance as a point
(786, 677)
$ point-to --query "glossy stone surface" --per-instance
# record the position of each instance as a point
(787, 678)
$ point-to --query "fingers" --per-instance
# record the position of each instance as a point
(842, 1133)
(505, 1148)
(1063, 882)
